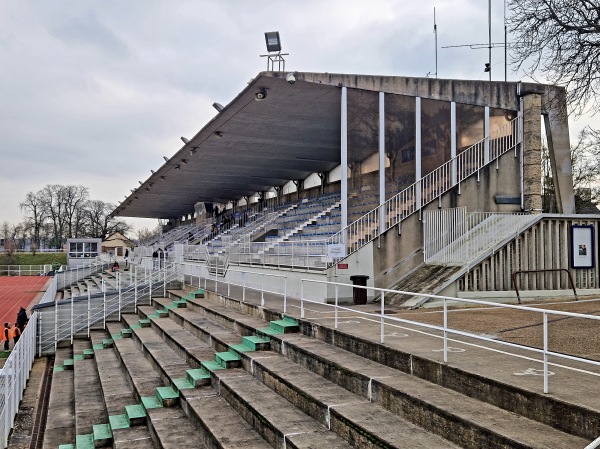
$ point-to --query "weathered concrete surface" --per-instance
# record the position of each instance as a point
(532, 153)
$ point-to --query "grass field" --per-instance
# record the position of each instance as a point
(30, 259)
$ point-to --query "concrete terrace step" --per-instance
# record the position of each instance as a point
(169, 427)
(60, 424)
(118, 395)
(330, 396)
(89, 401)
(201, 404)
(441, 410)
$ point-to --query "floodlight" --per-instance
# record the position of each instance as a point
(185, 140)
(140, 182)
(273, 41)
(166, 158)
(177, 167)
(218, 106)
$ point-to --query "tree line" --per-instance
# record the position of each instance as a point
(56, 213)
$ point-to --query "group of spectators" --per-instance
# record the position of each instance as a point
(14, 333)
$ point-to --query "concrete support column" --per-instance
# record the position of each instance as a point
(453, 175)
(344, 158)
(532, 153)
(486, 130)
(559, 148)
(381, 161)
(418, 175)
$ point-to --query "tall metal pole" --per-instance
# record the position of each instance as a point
(505, 45)
(436, 43)
(490, 36)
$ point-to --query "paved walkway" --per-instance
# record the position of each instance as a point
(569, 380)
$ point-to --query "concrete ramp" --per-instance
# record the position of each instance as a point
(427, 279)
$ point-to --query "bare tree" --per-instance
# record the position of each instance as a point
(35, 216)
(101, 223)
(560, 39)
(585, 160)
(75, 198)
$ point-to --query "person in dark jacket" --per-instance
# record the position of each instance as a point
(22, 319)
(7, 335)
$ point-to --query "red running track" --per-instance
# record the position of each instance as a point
(19, 291)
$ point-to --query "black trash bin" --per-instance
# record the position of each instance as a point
(359, 294)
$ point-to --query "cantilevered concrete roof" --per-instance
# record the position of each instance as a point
(250, 146)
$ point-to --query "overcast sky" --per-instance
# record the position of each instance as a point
(96, 92)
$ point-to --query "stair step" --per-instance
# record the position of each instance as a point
(180, 304)
(144, 323)
(107, 343)
(78, 357)
(240, 348)
(285, 326)
(167, 396)
(67, 446)
(162, 313)
(68, 364)
(84, 441)
(197, 294)
(150, 402)
(198, 377)
(126, 333)
(118, 422)
(268, 331)
(136, 415)
(102, 435)
(256, 343)
(227, 359)
(182, 383)
(88, 353)
(210, 365)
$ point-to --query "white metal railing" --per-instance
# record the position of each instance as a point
(306, 254)
(13, 378)
(382, 318)
(249, 280)
(24, 270)
(428, 188)
(62, 320)
(456, 237)
(73, 275)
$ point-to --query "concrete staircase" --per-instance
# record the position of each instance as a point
(206, 372)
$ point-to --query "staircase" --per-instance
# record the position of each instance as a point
(194, 371)
(430, 187)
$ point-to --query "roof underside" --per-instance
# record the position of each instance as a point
(251, 146)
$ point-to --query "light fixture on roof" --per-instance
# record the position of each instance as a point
(147, 189)
(274, 48)
(132, 190)
(193, 151)
(184, 140)
(166, 158)
(218, 134)
(273, 41)
(260, 95)
(218, 106)
(184, 161)
(151, 171)
(140, 182)
(163, 178)
(177, 167)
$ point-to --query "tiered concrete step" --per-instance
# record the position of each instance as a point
(219, 424)
(127, 416)
(306, 423)
(60, 424)
(89, 401)
(448, 413)
(169, 426)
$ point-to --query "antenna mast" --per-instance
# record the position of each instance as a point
(436, 43)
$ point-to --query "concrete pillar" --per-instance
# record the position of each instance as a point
(344, 158)
(382, 161)
(559, 148)
(532, 153)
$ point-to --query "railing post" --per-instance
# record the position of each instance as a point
(165, 280)
(262, 290)
(243, 286)
(135, 293)
(104, 305)
(335, 322)
(72, 320)
(89, 310)
(382, 312)
(5, 378)
(545, 314)
(445, 331)
(119, 287)
(285, 294)
(301, 299)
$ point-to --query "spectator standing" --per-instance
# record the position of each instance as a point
(22, 319)
(16, 333)
(6, 336)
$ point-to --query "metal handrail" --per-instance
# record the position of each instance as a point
(545, 351)
(514, 279)
(374, 223)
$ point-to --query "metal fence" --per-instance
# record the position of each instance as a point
(428, 188)
(13, 378)
(24, 270)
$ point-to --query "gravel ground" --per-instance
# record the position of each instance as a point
(569, 335)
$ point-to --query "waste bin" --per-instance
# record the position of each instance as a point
(359, 294)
